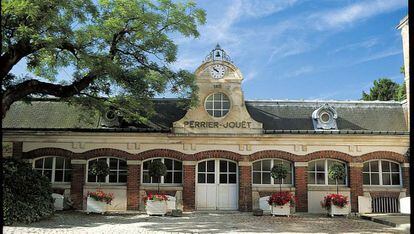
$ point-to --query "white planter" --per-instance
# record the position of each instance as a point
(156, 207)
(336, 210)
(58, 201)
(281, 210)
(95, 206)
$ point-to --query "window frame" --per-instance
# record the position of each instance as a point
(107, 177)
(326, 169)
(272, 181)
(53, 176)
(380, 174)
(162, 183)
(221, 104)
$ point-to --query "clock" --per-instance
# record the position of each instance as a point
(217, 71)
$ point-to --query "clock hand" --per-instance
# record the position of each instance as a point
(215, 69)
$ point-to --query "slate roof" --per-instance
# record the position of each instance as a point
(277, 116)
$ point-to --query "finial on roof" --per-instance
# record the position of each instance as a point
(218, 54)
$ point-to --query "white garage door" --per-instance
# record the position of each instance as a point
(217, 185)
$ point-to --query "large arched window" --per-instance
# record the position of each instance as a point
(117, 171)
(57, 169)
(174, 172)
(261, 172)
(381, 172)
(318, 172)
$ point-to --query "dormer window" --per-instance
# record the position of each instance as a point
(324, 118)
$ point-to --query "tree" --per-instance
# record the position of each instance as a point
(120, 52)
(156, 169)
(384, 90)
(336, 172)
(100, 169)
(279, 172)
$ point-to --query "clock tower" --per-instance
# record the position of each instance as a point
(221, 108)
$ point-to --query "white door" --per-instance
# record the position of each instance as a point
(217, 187)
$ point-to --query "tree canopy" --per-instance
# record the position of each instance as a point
(385, 89)
(120, 52)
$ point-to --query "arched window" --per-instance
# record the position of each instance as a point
(117, 171)
(261, 172)
(57, 169)
(174, 172)
(381, 172)
(318, 172)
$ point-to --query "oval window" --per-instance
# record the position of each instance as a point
(325, 117)
(217, 104)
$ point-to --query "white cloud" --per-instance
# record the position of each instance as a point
(371, 42)
(379, 55)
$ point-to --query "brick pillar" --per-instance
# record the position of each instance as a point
(405, 173)
(245, 186)
(301, 186)
(189, 185)
(76, 185)
(355, 184)
(17, 149)
(133, 182)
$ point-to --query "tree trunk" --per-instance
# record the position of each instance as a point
(336, 182)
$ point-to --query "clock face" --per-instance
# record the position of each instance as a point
(217, 71)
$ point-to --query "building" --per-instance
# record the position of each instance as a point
(219, 154)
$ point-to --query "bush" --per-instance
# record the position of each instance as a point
(27, 195)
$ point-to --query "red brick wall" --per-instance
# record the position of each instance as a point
(76, 186)
(245, 188)
(17, 150)
(189, 187)
(301, 185)
(405, 171)
(133, 182)
(355, 183)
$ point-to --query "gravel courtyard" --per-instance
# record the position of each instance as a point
(198, 222)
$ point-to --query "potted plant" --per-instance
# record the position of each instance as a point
(97, 201)
(280, 202)
(156, 204)
(336, 204)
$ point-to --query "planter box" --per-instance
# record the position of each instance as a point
(95, 206)
(156, 207)
(336, 210)
(280, 210)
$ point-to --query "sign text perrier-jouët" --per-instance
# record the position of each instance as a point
(208, 124)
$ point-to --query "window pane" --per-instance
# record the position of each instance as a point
(91, 178)
(210, 166)
(59, 163)
(146, 177)
(256, 166)
(201, 178)
(311, 166)
(156, 180)
(146, 164)
(68, 176)
(210, 112)
(58, 176)
(366, 167)
(395, 179)
(226, 105)
(169, 164)
(178, 177)
(122, 178)
(210, 179)
(385, 166)
(101, 179)
(223, 178)
(217, 105)
(395, 167)
(266, 178)
(48, 162)
(178, 166)
(112, 177)
(217, 113)
(223, 166)
(320, 178)
(311, 178)
(366, 178)
(68, 165)
(232, 179)
(266, 165)
(113, 163)
(320, 165)
(232, 167)
(217, 96)
(202, 167)
(288, 179)
(257, 178)
(209, 105)
(386, 178)
(168, 178)
(342, 182)
(103, 160)
(48, 174)
(277, 181)
(374, 178)
(122, 165)
(331, 181)
(374, 166)
(39, 163)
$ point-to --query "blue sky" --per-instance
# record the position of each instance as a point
(299, 49)
(302, 49)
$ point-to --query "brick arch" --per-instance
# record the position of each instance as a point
(330, 154)
(155, 153)
(48, 152)
(105, 152)
(384, 155)
(217, 154)
(274, 154)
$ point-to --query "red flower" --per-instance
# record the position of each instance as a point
(99, 195)
(336, 199)
(155, 197)
(281, 199)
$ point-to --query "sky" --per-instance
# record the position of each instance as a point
(299, 49)
(302, 49)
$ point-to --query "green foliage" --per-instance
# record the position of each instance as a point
(100, 169)
(336, 172)
(126, 44)
(385, 89)
(157, 169)
(27, 195)
(279, 172)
